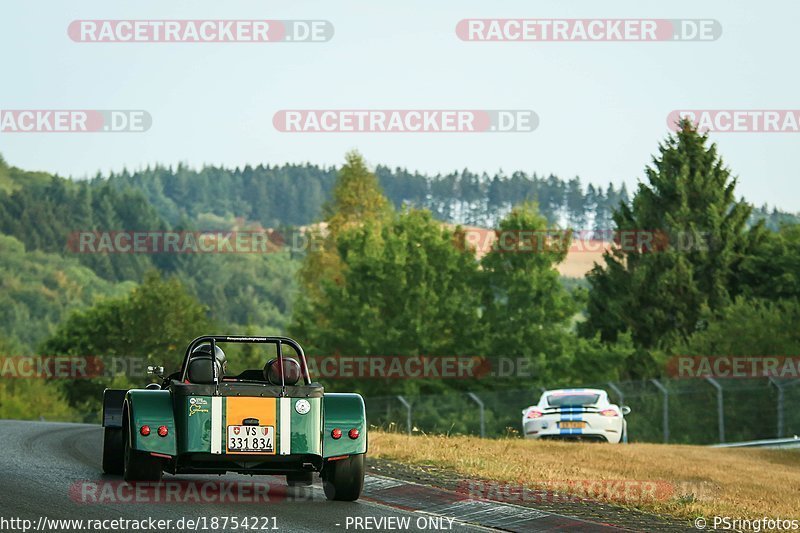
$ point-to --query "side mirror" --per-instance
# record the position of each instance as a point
(625, 410)
(155, 370)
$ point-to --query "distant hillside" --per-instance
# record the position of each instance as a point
(44, 279)
(294, 195)
(39, 289)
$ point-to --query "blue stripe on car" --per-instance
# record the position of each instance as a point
(571, 414)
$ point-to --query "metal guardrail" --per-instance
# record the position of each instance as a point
(791, 442)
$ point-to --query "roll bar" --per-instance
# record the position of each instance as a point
(277, 341)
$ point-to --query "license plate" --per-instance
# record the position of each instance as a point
(572, 425)
(251, 439)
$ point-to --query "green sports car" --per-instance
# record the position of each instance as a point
(271, 420)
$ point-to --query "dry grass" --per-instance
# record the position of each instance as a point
(745, 483)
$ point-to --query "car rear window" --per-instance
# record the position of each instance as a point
(557, 400)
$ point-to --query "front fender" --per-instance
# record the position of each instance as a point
(152, 408)
(345, 412)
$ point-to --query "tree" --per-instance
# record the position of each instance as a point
(576, 204)
(356, 199)
(601, 211)
(527, 309)
(762, 328)
(155, 321)
(683, 237)
(34, 399)
(406, 289)
(772, 269)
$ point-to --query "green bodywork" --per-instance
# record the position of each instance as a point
(344, 411)
(194, 424)
(189, 423)
(152, 408)
(307, 428)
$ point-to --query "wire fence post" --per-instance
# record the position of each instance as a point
(665, 409)
(779, 405)
(477, 400)
(720, 408)
(408, 413)
(618, 392)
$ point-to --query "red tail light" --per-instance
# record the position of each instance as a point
(609, 412)
(533, 413)
(353, 433)
(162, 431)
(144, 430)
(336, 433)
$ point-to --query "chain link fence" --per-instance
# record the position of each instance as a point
(683, 411)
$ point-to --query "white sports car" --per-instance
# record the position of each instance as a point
(577, 414)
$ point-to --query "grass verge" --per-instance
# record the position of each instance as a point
(691, 481)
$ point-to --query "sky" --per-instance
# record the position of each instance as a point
(602, 106)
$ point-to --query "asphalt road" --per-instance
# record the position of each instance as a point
(52, 470)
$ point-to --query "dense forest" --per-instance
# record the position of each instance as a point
(40, 213)
(293, 195)
(388, 277)
(42, 210)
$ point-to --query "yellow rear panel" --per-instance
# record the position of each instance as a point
(238, 409)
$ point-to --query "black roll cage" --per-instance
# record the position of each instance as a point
(277, 341)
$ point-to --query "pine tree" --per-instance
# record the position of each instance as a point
(356, 197)
(601, 215)
(684, 235)
(576, 204)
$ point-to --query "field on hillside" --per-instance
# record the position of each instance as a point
(675, 480)
(581, 255)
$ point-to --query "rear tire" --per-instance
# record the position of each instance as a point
(301, 479)
(113, 451)
(343, 480)
(139, 466)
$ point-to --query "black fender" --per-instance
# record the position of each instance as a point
(112, 407)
